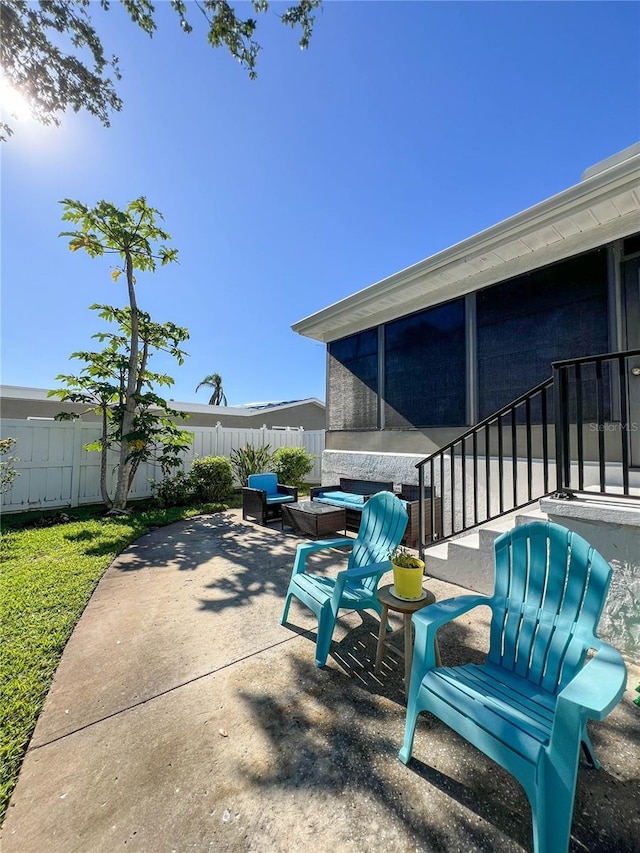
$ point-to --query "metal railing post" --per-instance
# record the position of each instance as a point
(421, 518)
(559, 412)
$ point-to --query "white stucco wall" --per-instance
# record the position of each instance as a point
(360, 465)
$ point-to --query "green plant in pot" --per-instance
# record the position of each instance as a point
(408, 572)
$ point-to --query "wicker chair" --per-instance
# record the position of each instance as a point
(263, 497)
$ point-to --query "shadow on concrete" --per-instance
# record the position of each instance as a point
(190, 544)
(334, 736)
(261, 563)
(338, 730)
(334, 732)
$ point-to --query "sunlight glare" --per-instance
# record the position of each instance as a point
(12, 103)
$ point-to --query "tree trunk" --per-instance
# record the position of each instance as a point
(124, 466)
(103, 459)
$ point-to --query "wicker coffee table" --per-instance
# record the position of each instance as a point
(314, 519)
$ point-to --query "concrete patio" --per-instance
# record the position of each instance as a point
(183, 717)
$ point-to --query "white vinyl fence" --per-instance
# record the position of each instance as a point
(55, 471)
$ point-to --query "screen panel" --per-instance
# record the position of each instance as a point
(526, 323)
(353, 382)
(425, 368)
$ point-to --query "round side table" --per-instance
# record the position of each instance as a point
(407, 608)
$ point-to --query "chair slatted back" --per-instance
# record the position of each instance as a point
(384, 521)
(550, 589)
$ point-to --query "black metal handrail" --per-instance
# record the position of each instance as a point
(592, 396)
(543, 429)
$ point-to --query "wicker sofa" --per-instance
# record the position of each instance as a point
(353, 494)
(350, 494)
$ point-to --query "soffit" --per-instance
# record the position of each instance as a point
(600, 209)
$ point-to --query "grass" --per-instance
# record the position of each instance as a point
(48, 574)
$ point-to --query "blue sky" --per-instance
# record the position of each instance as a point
(405, 128)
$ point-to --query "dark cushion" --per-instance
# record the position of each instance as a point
(364, 487)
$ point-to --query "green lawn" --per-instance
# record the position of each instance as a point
(48, 575)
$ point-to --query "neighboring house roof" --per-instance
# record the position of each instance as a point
(283, 404)
(16, 392)
(604, 206)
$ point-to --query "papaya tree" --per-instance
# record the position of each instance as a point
(136, 240)
(101, 388)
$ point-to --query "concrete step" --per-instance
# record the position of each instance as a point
(490, 531)
(438, 551)
(460, 561)
(531, 513)
(468, 559)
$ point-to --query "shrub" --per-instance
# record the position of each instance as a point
(174, 491)
(7, 472)
(212, 479)
(251, 460)
(292, 464)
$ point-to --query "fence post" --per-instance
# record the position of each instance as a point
(74, 497)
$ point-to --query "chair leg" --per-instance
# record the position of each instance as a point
(552, 796)
(285, 612)
(551, 820)
(326, 624)
(384, 623)
(588, 749)
(409, 728)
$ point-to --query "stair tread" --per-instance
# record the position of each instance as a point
(534, 512)
(499, 525)
(470, 540)
(440, 552)
(474, 540)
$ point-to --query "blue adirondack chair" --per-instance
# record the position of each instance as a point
(527, 706)
(384, 520)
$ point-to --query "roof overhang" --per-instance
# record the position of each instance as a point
(604, 206)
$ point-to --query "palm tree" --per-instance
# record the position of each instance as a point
(214, 380)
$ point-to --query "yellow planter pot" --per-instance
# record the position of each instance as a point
(407, 583)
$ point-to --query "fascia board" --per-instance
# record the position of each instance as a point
(620, 179)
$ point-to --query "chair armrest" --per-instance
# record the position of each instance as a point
(366, 571)
(444, 611)
(288, 490)
(253, 491)
(426, 623)
(599, 685)
(372, 570)
(305, 548)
